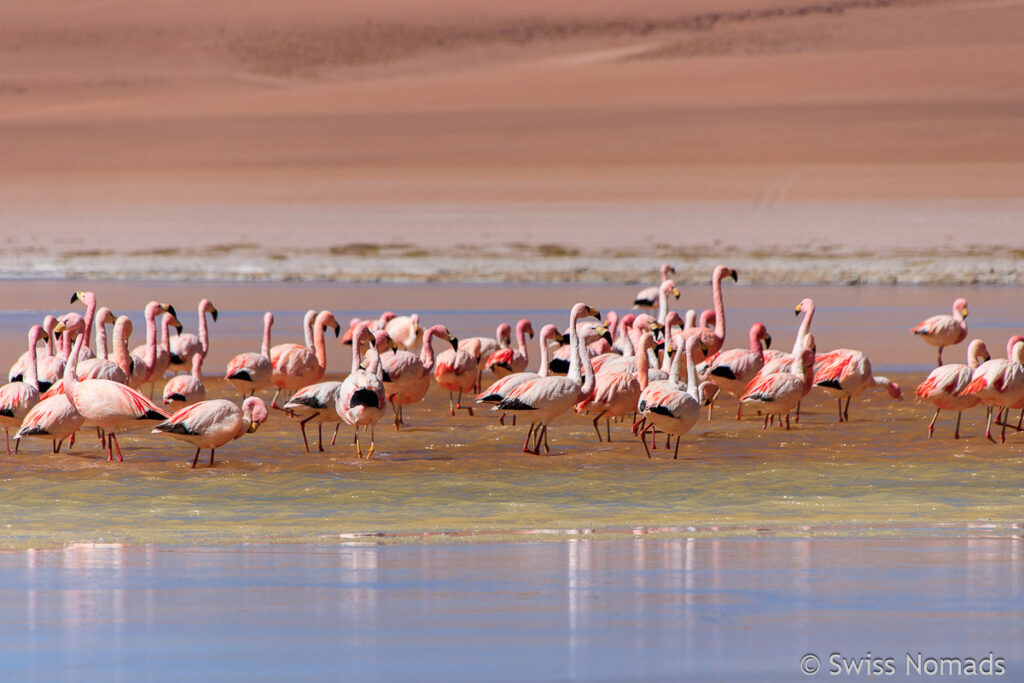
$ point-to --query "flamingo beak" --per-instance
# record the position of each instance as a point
(796, 311)
(675, 292)
(393, 344)
(179, 328)
(734, 275)
(963, 311)
(594, 312)
(768, 341)
(59, 327)
(169, 309)
(607, 336)
(253, 426)
(213, 314)
(45, 337)
(453, 340)
(337, 331)
(75, 297)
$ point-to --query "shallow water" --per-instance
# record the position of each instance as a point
(447, 478)
(719, 609)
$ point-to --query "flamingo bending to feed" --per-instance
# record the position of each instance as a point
(360, 401)
(405, 330)
(779, 393)
(944, 384)
(616, 393)
(211, 424)
(714, 339)
(296, 366)
(408, 375)
(251, 372)
(110, 406)
(508, 361)
(648, 297)
(668, 405)
(847, 373)
(734, 369)
(17, 398)
(549, 397)
(456, 370)
(184, 346)
(999, 383)
(495, 393)
(187, 389)
(944, 330)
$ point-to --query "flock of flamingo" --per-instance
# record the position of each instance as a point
(658, 369)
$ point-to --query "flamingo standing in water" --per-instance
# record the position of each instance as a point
(944, 384)
(779, 393)
(53, 418)
(211, 424)
(184, 390)
(714, 339)
(184, 346)
(49, 367)
(407, 376)
(668, 405)
(999, 383)
(780, 361)
(456, 370)
(161, 354)
(847, 373)
(548, 397)
(360, 401)
(508, 361)
(251, 372)
(17, 398)
(144, 356)
(296, 366)
(495, 393)
(100, 367)
(315, 403)
(110, 406)
(944, 330)
(734, 369)
(590, 332)
(648, 297)
(617, 393)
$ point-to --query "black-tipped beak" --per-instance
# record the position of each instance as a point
(562, 339)
(768, 341)
(608, 336)
(179, 328)
(675, 292)
(453, 340)
(253, 426)
(796, 311)
(337, 331)
(735, 276)
(74, 298)
(213, 314)
(170, 309)
(531, 334)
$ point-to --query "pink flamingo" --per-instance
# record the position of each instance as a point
(847, 373)
(944, 330)
(548, 397)
(405, 330)
(162, 352)
(184, 346)
(17, 398)
(374, 325)
(110, 406)
(482, 348)
(944, 384)
(296, 366)
(46, 375)
(187, 389)
(53, 418)
(360, 401)
(623, 342)
(614, 363)
(779, 393)
(590, 332)
(315, 403)
(211, 424)
(407, 376)
(617, 393)
(89, 299)
(668, 405)
(508, 361)
(734, 369)
(648, 297)
(100, 367)
(456, 370)
(999, 383)
(251, 372)
(498, 390)
(714, 339)
(144, 356)
(780, 361)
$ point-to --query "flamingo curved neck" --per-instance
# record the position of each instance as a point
(716, 291)
(204, 334)
(32, 373)
(805, 327)
(265, 348)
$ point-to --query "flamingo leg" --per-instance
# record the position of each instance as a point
(931, 425)
(320, 437)
(839, 403)
(988, 426)
(1020, 420)
(113, 437)
(739, 411)
(302, 428)
(501, 419)
(57, 445)
(7, 436)
(514, 418)
(546, 449)
(787, 422)
(1002, 434)
(451, 404)
(337, 425)
(529, 433)
(958, 416)
(643, 441)
(273, 401)
(369, 454)
(608, 429)
(17, 444)
(765, 425)
(846, 410)
(668, 441)
(71, 441)
(359, 449)
(596, 427)
(212, 451)
(940, 357)
(797, 418)
(398, 420)
(675, 456)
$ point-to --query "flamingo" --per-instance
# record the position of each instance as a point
(847, 373)
(89, 299)
(590, 332)
(456, 370)
(17, 398)
(110, 406)
(549, 397)
(296, 366)
(373, 325)
(623, 341)
(944, 384)
(494, 394)
(184, 346)
(648, 297)
(944, 330)
(668, 405)
(408, 375)
(999, 383)
(251, 372)
(778, 393)
(405, 330)
(211, 424)
(54, 418)
(315, 403)
(144, 356)
(162, 352)
(360, 401)
(46, 376)
(614, 363)
(780, 361)
(187, 389)
(733, 370)
(100, 367)
(508, 361)
(617, 393)
(482, 348)
(714, 339)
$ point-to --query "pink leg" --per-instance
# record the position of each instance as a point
(931, 425)
(529, 433)
(337, 425)
(196, 458)
(120, 458)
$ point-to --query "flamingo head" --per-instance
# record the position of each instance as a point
(87, 298)
(960, 308)
(37, 334)
(326, 320)
(104, 316)
(706, 391)
(805, 305)
(415, 318)
(669, 287)
(254, 410)
(382, 341)
(722, 272)
(524, 326)
(707, 318)
(72, 323)
(172, 320)
(206, 306)
(504, 334)
(666, 270)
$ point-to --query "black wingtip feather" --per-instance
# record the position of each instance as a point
(364, 397)
(7, 412)
(308, 401)
(830, 384)
(490, 398)
(32, 431)
(660, 410)
(559, 366)
(153, 415)
(643, 302)
(176, 397)
(723, 371)
(242, 375)
(176, 359)
(174, 428)
(515, 404)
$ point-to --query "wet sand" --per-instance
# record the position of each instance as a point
(640, 609)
